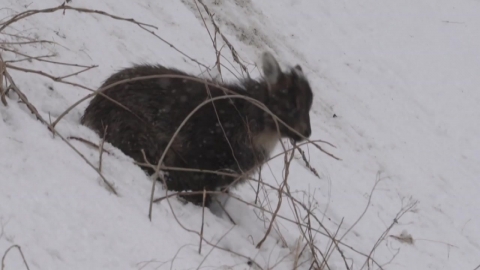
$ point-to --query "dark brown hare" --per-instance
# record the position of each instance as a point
(227, 135)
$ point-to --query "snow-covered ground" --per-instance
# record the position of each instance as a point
(401, 77)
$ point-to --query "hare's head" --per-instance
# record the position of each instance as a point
(289, 97)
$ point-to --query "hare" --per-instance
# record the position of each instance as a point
(230, 134)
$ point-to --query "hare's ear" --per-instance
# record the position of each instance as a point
(271, 69)
(297, 71)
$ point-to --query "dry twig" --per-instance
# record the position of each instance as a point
(203, 220)
(280, 191)
(21, 253)
(366, 207)
(101, 149)
(87, 142)
(2, 75)
(307, 163)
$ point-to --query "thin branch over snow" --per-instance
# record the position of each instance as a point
(21, 253)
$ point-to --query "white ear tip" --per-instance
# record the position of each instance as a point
(267, 57)
(271, 69)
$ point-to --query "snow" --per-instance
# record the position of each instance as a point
(401, 77)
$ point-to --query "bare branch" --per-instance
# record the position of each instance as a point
(203, 221)
(279, 204)
(21, 253)
(64, 7)
(101, 149)
(366, 207)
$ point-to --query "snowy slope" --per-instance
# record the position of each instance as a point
(400, 77)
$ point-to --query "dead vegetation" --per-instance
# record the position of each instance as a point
(21, 253)
(312, 233)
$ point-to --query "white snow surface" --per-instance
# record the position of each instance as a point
(402, 78)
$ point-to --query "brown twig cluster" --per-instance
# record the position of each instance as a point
(234, 52)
